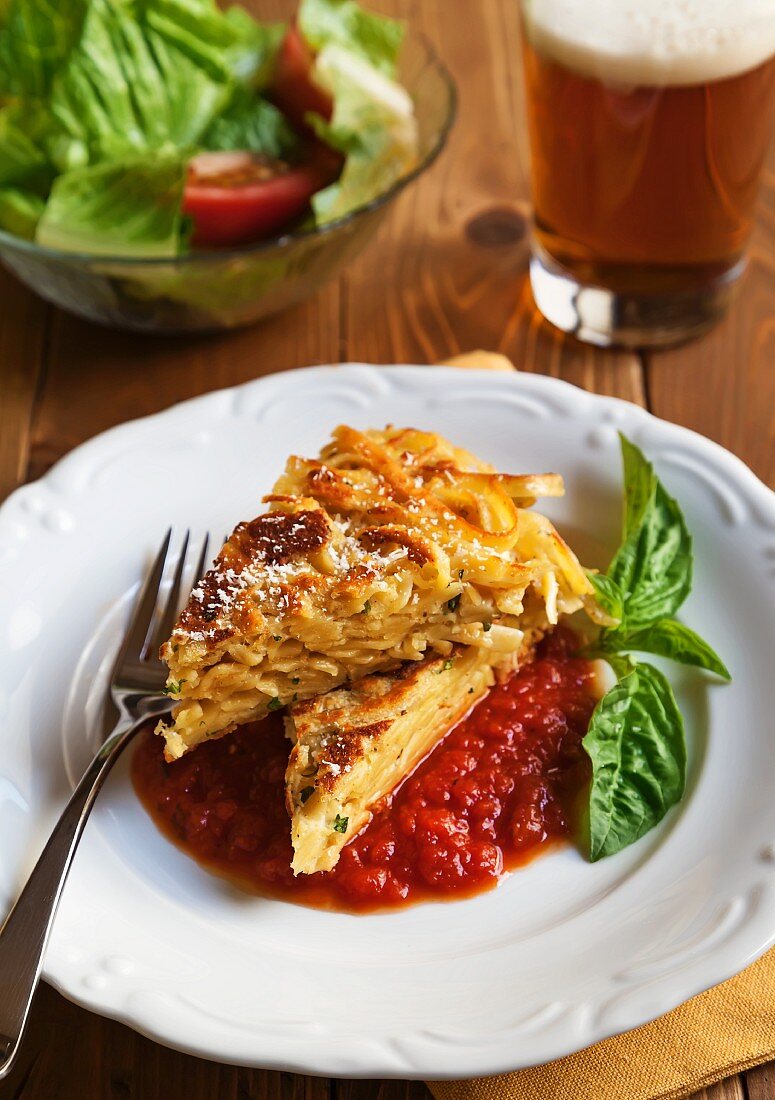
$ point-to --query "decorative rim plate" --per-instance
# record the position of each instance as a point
(563, 953)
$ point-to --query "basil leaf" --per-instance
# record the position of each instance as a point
(608, 594)
(640, 484)
(636, 744)
(667, 639)
(622, 665)
(653, 566)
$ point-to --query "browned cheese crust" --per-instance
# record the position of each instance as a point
(390, 545)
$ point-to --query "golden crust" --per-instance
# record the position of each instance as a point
(275, 539)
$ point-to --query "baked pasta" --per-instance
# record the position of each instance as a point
(354, 745)
(387, 546)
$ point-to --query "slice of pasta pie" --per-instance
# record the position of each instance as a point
(391, 544)
(354, 745)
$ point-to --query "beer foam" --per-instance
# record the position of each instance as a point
(635, 42)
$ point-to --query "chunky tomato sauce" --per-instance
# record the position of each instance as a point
(499, 788)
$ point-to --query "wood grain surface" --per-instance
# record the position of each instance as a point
(446, 274)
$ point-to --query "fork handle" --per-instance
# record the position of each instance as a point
(24, 935)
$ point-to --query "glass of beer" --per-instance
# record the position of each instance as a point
(649, 123)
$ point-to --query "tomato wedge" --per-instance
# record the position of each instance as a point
(236, 198)
(293, 88)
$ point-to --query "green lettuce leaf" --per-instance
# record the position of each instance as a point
(23, 159)
(636, 744)
(653, 566)
(129, 208)
(344, 23)
(254, 124)
(227, 44)
(253, 52)
(127, 88)
(373, 124)
(35, 38)
(666, 638)
(20, 212)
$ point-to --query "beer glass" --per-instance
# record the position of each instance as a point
(649, 122)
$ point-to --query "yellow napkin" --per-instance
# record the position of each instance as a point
(724, 1031)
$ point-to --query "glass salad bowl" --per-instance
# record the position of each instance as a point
(206, 291)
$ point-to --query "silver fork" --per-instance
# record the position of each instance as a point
(135, 696)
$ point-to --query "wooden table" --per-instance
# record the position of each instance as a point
(446, 275)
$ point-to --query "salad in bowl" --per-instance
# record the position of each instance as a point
(168, 164)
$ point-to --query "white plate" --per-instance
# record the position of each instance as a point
(563, 953)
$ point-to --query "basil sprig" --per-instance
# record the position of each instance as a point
(636, 736)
